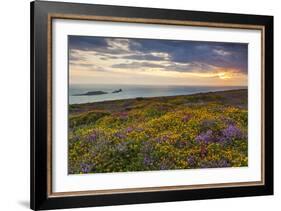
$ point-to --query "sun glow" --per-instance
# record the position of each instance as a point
(224, 75)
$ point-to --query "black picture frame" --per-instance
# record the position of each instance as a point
(40, 112)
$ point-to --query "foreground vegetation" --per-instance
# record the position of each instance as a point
(181, 132)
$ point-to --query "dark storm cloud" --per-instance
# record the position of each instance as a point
(225, 55)
(99, 45)
(86, 43)
(183, 56)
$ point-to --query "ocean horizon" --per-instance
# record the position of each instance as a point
(76, 91)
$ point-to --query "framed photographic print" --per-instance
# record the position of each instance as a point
(140, 105)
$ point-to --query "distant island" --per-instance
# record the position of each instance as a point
(92, 93)
(97, 93)
(117, 91)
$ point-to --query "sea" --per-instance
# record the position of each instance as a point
(76, 91)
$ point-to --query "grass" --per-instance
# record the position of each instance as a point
(206, 130)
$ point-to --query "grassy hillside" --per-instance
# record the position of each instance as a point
(181, 132)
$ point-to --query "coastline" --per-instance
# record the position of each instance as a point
(85, 107)
(191, 94)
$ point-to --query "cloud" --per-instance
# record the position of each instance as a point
(222, 52)
(137, 65)
(167, 55)
(86, 43)
(88, 67)
(99, 44)
(191, 67)
(231, 55)
(147, 57)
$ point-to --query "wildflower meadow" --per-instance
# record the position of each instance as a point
(205, 130)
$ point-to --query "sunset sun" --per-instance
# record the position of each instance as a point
(224, 76)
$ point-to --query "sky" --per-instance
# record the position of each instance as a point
(107, 60)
